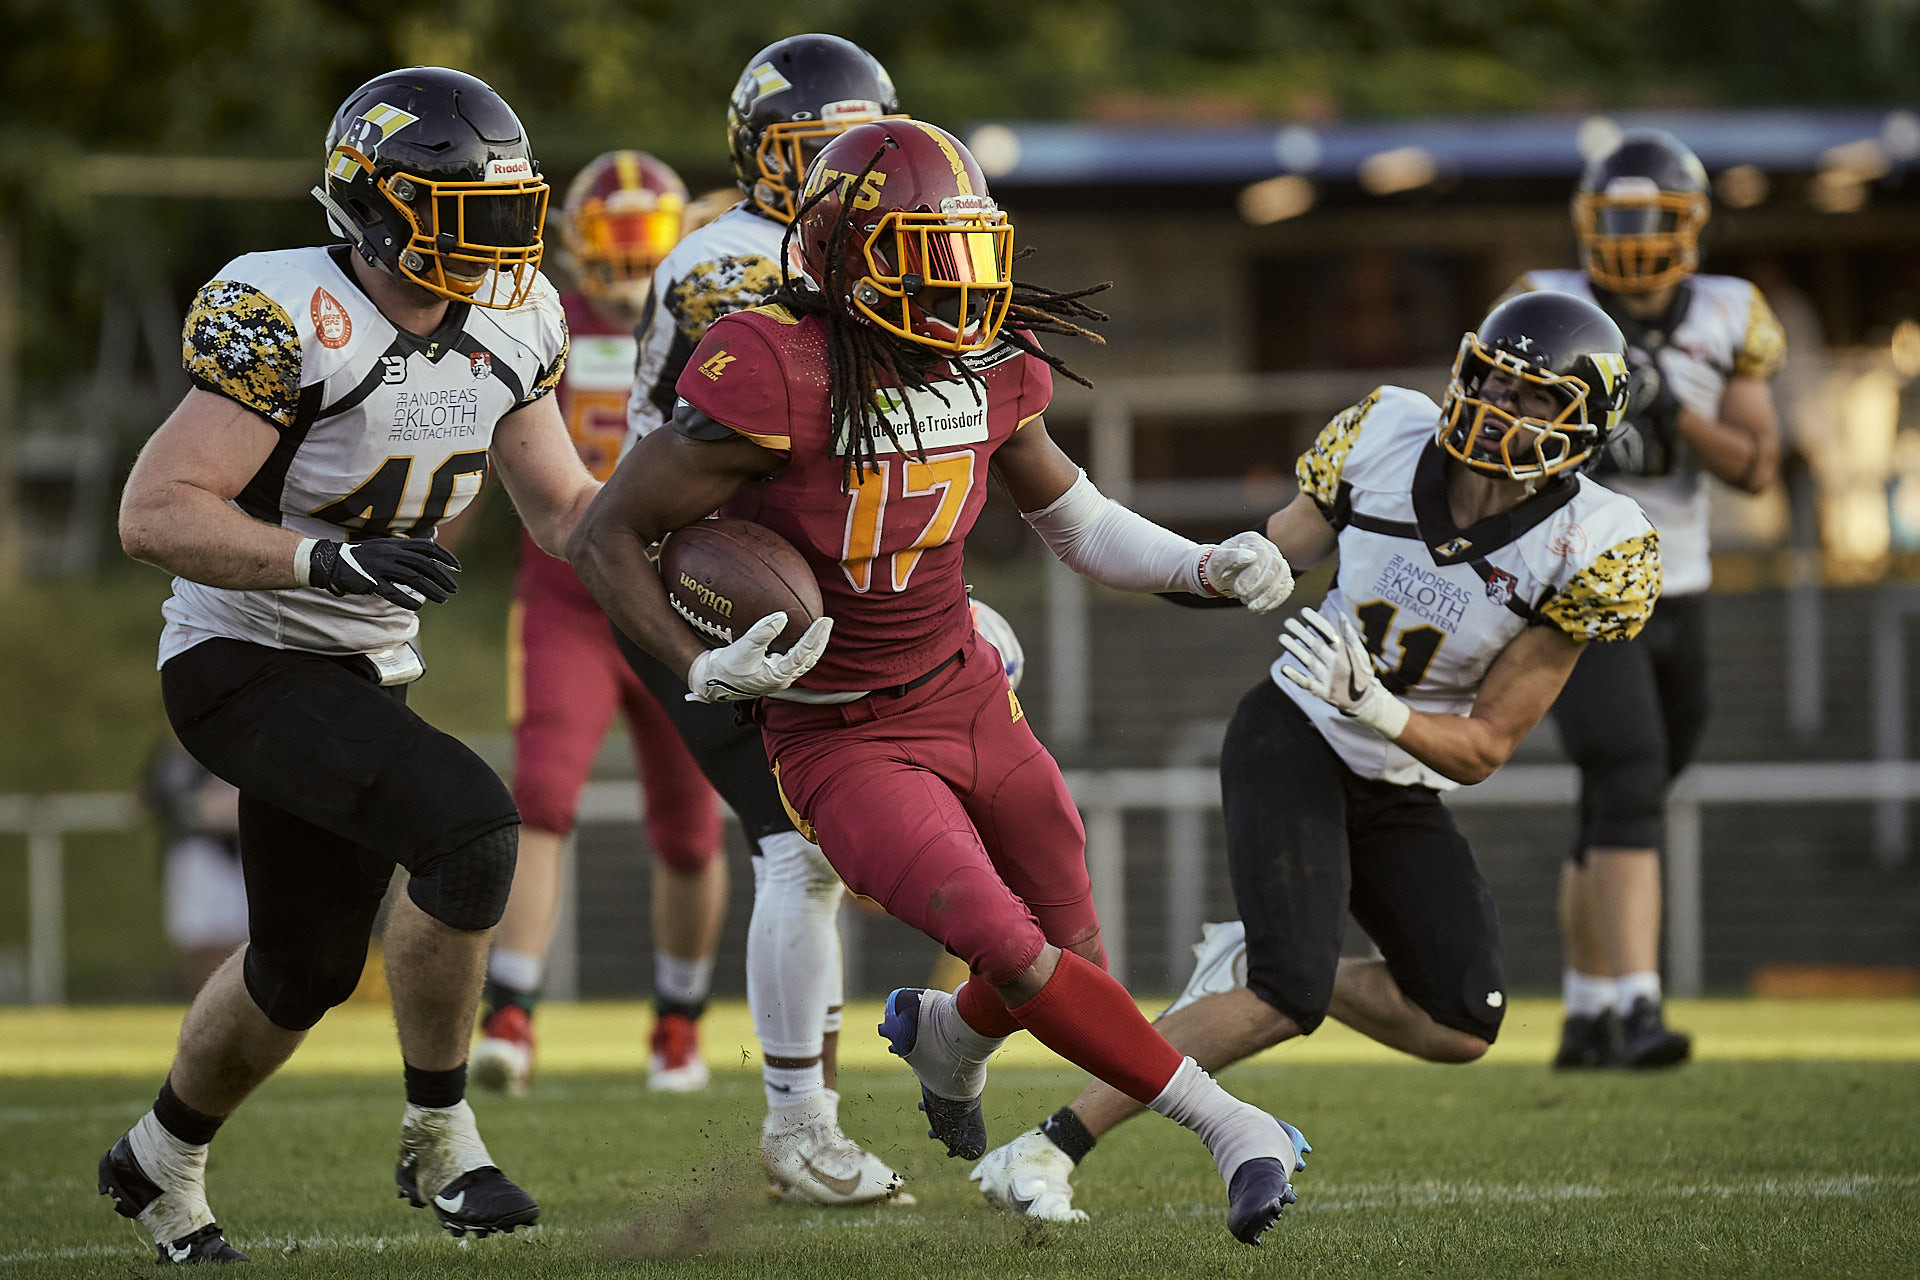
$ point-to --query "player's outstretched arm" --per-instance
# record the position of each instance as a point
(176, 512)
(1096, 536)
(665, 482)
(550, 487)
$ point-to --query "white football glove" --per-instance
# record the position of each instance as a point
(745, 670)
(1336, 668)
(1250, 569)
(1694, 383)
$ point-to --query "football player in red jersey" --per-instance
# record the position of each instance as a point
(566, 677)
(858, 415)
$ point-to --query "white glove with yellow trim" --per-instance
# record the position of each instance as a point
(1336, 668)
(745, 670)
(1250, 569)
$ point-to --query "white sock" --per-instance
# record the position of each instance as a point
(1638, 986)
(445, 1143)
(792, 1086)
(955, 1031)
(1234, 1131)
(179, 1168)
(681, 980)
(520, 970)
(1586, 995)
(793, 945)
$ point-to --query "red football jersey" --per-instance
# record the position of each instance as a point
(888, 555)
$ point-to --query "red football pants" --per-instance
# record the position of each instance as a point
(943, 807)
(567, 679)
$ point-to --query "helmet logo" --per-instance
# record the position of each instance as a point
(765, 81)
(850, 111)
(330, 320)
(869, 194)
(1613, 369)
(509, 169)
(1632, 187)
(953, 206)
(375, 126)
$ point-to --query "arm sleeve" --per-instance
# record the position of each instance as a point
(1764, 345)
(1612, 598)
(1319, 468)
(735, 378)
(1096, 536)
(556, 364)
(240, 343)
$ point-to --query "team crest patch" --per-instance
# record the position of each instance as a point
(1569, 541)
(480, 364)
(330, 320)
(1500, 586)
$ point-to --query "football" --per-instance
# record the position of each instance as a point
(723, 576)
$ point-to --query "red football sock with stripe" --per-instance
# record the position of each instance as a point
(982, 1009)
(1088, 1018)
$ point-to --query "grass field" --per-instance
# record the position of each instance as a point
(1791, 1148)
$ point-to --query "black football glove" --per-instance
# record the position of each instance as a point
(1643, 443)
(408, 572)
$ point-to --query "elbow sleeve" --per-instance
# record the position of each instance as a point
(1096, 536)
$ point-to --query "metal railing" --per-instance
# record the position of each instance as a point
(1105, 796)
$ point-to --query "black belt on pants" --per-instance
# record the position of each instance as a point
(902, 690)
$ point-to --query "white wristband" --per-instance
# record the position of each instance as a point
(303, 561)
(1381, 712)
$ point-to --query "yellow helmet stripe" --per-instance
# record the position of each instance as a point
(627, 164)
(953, 157)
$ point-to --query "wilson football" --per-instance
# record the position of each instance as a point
(723, 576)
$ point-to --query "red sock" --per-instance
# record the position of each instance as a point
(1086, 1017)
(982, 1009)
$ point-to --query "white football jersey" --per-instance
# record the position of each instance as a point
(1437, 604)
(1726, 330)
(728, 265)
(382, 432)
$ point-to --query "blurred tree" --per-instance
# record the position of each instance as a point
(81, 77)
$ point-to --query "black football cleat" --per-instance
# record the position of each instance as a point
(1589, 1041)
(132, 1192)
(479, 1202)
(958, 1123)
(1647, 1041)
(1256, 1197)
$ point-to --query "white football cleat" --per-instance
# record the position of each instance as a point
(809, 1161)
(1028, 1178)
(503, 1059)
(674, 1064)
(1219, 963)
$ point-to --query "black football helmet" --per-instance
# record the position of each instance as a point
(1638, 212)
(1555, 343)
(430, 176)
(795, 95)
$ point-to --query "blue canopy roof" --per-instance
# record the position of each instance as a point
(1053, 154)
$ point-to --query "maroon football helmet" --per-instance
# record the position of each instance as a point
(622, 215)
(926, 254)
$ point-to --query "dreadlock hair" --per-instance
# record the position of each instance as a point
(862, 359)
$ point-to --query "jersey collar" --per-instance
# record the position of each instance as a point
(432, 345)
(1449, 544)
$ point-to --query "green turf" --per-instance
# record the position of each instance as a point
(1716, 1169)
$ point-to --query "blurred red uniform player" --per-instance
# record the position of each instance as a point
(567, 679)
(859, 420)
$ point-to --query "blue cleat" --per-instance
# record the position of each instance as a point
(957, 1122)
(1300, 1144)
(1257, 1196)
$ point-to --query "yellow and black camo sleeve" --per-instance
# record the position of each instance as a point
(550, 376)
(1764, 345)
(1318, 469)
(1612, 598)
(241, 344)
(717, 288)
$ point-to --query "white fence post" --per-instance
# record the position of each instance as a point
(47, 904)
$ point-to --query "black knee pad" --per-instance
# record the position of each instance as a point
(1625, 804)
(295, 993)
(467, 887)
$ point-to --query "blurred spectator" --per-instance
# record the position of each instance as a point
(206, 897)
